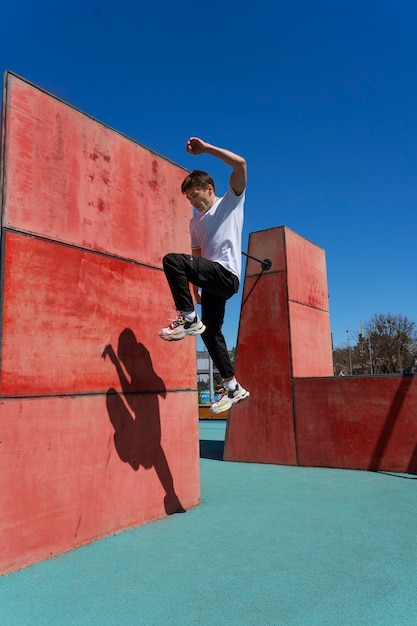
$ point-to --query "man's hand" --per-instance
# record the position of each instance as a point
(195, 146)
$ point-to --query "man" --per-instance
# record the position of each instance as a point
(214, 267)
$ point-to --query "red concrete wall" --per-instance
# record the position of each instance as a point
(308, 302)
(284, 331)
(90, 445)
(73, 470)
(72, 179)
(63, 305)
(366, 423)
(261, 429)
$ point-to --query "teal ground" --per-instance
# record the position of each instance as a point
(269, 545)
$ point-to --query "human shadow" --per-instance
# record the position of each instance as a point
(134, 413)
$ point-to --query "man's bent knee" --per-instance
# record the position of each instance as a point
(168, 258)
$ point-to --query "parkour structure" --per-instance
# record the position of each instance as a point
(99, 418)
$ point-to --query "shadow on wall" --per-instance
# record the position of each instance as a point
(389, 426)
(134, 414)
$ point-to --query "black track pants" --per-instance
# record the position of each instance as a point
(218, 285)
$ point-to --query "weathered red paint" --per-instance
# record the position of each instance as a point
(284, 330)
(308, 303)
(65, 481)
(366, 423)
(63, 305)
(261, 429)
(89, 445)
(72, 179)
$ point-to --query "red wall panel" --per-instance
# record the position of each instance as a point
(284, 330)
(304, 265)
(311, 345)
(284, 335)
(261, 428)
(306, 268)
(90, 445)
(364, 423)
(267, 244)
(72, 179)
(63, 305)
(66, 480)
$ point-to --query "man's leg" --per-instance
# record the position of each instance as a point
(180, 270)
(212, 312)
(213, 309)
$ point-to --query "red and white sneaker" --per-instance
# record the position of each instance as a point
(228, 398)
(180, 328)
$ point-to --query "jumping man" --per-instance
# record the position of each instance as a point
(213, 268)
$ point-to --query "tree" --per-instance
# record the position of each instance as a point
(393, 339)
(387, 345)
(342, 361)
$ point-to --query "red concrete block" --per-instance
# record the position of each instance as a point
(63, 306)
(306, 272)
(267, 244)
(284, 331)
(367, 423)
(260, 429)
(311, 345)
(304, 265)
(72, 179)
(74, 469)
(90, 445)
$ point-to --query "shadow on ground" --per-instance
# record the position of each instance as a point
(211, 449)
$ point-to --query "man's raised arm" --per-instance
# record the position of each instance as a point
(238, 164)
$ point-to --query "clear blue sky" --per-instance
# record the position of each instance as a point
(320, 97)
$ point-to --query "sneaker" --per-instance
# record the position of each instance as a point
(227, 398)
(179, 328)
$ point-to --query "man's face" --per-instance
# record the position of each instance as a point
(201, 198)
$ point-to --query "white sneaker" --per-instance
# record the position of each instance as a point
(180, 328)
(227, 398)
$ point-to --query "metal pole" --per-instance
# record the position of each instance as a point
(350, 355)
(266, 264)
(370, 355)
(211, 382)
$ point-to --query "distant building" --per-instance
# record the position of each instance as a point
(203, 367)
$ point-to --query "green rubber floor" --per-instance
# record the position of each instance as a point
(269, 545)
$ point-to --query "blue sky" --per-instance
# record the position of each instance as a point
(320, 97)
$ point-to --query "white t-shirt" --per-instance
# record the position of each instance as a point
(219, 231)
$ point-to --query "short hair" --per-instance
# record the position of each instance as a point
(197, 179)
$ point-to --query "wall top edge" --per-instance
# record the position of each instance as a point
(10, 75)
